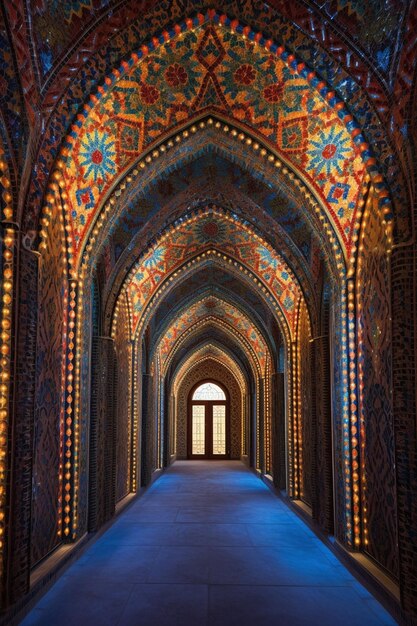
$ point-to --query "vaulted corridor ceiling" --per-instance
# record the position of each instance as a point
(204, 191)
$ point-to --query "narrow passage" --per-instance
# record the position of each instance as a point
(208, 545)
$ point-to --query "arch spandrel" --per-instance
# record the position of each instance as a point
(210, 67)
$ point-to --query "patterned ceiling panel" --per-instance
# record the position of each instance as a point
(198, 234)
(216, 282)
(215, 332)
(211, 68)
(214, 175)
(213, 307)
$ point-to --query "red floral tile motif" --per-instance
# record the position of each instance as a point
(210, 68)
(216, 232)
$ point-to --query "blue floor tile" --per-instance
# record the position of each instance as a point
(208, 544)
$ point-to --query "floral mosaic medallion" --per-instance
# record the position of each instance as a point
(215, 232)
(211, 69)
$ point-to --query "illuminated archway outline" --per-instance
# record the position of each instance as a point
(267, 266)
(214, 21)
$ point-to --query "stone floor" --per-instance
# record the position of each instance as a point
(208, 545)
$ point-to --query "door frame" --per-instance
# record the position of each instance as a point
(208, 422)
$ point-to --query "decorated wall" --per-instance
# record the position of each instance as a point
(49, 423)
(123, 348)
(163, 148)
(377, 458)
(306, 426)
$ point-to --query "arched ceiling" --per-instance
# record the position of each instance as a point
(208, 352)
(210, 234)
(232, 336)
(284, 218)
(216, 176)
(212, 308)
(219, 283)
(213, 336)
(214, 68)
(73, 47)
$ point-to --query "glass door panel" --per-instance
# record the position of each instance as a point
(219, 429)
(198, 429)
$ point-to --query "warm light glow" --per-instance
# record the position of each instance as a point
(198, 429)
(219, 429)
(209, 391)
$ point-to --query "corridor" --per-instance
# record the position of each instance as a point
(208, 544)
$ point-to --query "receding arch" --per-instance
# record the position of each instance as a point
(262, 259)
(343, 324)
(211, 136)
(198, 292)
(209, 349)
(209, 369)
(205, 308)
(88, 143)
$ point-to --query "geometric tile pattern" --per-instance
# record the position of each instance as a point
(224, 234)
(214, 307)
(211, 68)
(377, 435)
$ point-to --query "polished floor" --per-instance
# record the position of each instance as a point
(208, 545)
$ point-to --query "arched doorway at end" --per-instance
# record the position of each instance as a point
(208, 421)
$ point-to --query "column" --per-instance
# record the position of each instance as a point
(322, 502)
(22, 379)
(278, 429)
(102, 434)
(403, 277)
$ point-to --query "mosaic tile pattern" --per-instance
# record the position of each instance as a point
(214, 307)
(217, 232)
(317, 38)
(47, 491)
(207, 68)
(378, 488)
(123, 348)
(220, 73)
(211, 176)
(210, 281)
(250, 189)
(20, 510)
(213, 351)
(307, 427)
(207, 336)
